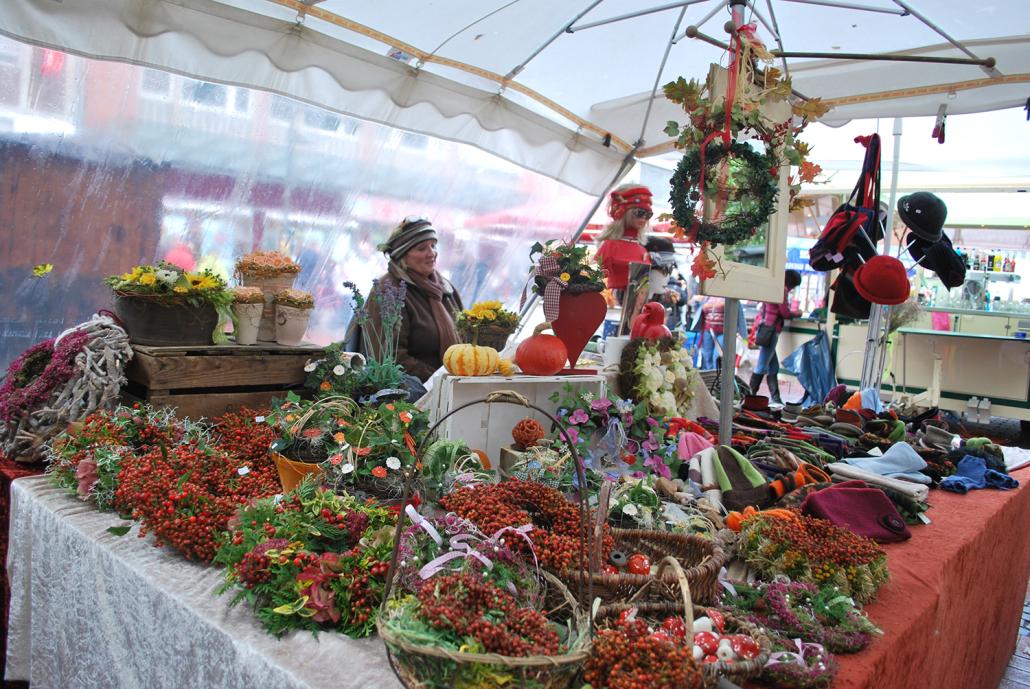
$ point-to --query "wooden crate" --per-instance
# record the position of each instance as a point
(207, 381)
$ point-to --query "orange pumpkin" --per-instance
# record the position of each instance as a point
(541, 355)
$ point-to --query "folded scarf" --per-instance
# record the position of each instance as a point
(709, 483)
(972, 473)
(900, 461)
(916, 491)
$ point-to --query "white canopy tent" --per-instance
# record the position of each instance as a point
(565, 88)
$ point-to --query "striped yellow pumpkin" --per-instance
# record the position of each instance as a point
(470, 360)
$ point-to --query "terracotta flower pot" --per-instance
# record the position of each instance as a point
(292, 472)
(268, 286)
(248, 322)
(290, 324)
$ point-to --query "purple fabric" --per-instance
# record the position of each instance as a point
(865, 511)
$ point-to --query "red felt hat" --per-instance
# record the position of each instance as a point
(883, 280)
(623, 199)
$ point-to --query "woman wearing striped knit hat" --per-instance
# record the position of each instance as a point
(430, 300)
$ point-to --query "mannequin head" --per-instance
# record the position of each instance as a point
(629, 207)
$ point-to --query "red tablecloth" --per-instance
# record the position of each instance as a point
(9, 470)
(950, 613)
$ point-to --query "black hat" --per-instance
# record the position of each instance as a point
(924, 213)
(662, 253)
(847, 301)
(940, 257)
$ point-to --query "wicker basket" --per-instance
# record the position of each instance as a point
(486, 336)
(420, 666)
(699, 558)
(655, 602)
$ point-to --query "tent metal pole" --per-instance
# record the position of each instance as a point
(851, 6)
(888, 236)
(874, 356)
(958, 44)
(632, 15)
(765, 22)
(729, 329)
(985, 62)
(627, 162)
(658, 77)
(554, 37)
(776, 32)
(718, 6)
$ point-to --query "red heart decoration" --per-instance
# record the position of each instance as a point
(579, 316)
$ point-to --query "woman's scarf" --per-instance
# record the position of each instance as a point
(433, 287)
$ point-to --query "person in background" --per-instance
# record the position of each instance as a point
(708, 319)
(430, 303)
(772, 316)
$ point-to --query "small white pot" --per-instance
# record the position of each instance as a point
(290, 324)
(248, 322)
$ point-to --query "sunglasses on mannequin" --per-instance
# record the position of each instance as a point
(636, 213)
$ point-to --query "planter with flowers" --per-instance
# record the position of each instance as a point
(165, 305)
(487, 324)
(247, 305)
(292, 311)
(570, 283)
(356, 448)
(271, 272)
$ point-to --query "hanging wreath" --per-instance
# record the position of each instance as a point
(742, 184)
(58, 381)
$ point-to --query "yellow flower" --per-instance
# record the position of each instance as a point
(490, 315)
(147, 279)
(565, 277)
(205, 282)
(179, 289)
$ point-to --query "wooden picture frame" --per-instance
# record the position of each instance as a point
(743, 281)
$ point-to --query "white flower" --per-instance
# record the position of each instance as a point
(339, 370)
(169, 277)
(588, 396)
(670, 377)
(393, 463)
(347, 468)
(310, 366)
(653, 379)
(630, 509)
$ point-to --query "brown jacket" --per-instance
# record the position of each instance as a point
(418, 346)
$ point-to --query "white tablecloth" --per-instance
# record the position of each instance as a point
(91, 609)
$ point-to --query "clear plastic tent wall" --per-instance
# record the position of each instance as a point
(105, 165)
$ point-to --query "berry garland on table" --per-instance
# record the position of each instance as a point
(556, 532)
(312, 560)
(795, 609)
(461, 548)
(186, 495)
(59, 381)
(814, 551)
(631, 657)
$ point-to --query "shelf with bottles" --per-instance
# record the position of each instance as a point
(994, 262)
